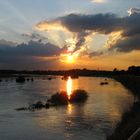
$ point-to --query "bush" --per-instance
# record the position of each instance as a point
(59, 98)
(78, 96)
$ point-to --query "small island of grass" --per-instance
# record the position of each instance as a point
(59, 99)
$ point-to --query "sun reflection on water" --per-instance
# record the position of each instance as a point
(69, 108)
(69, 86)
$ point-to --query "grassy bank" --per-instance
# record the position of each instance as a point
(130, 82)
(130, 121)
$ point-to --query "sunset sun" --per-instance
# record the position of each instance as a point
(70, 58)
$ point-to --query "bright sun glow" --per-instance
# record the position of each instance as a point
(70, 58)
(69, 86)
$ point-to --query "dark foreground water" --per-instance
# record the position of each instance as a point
(92, 120)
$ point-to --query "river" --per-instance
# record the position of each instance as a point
(92, 120)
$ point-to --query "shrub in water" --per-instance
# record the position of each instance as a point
(78, 96)
(59, 98)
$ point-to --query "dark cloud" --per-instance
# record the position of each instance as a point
(32, 48)
(102, 23)
(23, 55)
(128, 44)
(130, 39)
(84, 25)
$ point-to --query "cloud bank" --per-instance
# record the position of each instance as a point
(83, 25)
(32, 48)
(34, 54)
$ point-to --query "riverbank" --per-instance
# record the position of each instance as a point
(130, 82)
(130, 121)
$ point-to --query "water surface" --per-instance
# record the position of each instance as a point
(92, 120)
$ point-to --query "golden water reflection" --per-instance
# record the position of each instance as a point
(69, 86)
(69, 108)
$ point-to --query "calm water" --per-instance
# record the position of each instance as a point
(92, 120)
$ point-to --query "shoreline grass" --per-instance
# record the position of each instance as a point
(130, 121)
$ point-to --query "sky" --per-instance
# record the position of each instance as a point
(69, 34)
